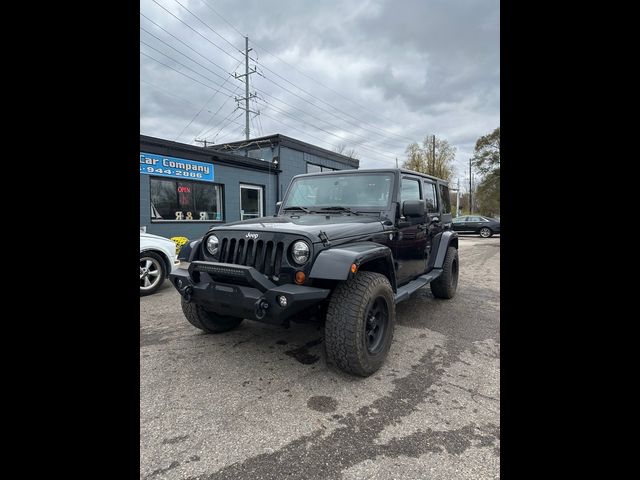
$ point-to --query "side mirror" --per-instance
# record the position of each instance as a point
(413, 208)
(277, 208)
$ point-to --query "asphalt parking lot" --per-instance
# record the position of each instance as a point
(260, 402)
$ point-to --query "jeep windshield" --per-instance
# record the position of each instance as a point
(341, 193)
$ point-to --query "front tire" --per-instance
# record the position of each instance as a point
(209, 322)
(446, 284)
(152, 273)
(360, 323)
(485, 232)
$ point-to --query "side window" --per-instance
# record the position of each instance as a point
(446, 201)
(430, 197)
(410, 189)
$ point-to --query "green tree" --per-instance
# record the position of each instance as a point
(486, 159)
(486, 156)
(422, 159)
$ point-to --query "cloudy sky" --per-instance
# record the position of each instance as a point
(373, 75)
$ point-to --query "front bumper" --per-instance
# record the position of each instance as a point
(241, 291)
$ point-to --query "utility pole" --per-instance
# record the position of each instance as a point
(202, 141)
(470, 189)
(247, 95)
(458, 198)
(433, 148)
(396, 162)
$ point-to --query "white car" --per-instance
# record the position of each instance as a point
(157, 260)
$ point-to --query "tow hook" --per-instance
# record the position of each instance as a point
(260, 309)
(186, 293)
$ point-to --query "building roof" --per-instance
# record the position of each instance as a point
(283, 140)
(160, 146)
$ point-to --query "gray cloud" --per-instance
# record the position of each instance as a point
(419, 67)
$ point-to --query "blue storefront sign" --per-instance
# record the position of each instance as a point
(152, 164)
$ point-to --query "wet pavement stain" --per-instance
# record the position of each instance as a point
(322, 404)
(319, 455)
(173, 440)
(302, 354)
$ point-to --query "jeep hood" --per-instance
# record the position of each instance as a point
(335, 226)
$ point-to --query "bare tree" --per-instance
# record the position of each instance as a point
(347, 152)
(422, 158)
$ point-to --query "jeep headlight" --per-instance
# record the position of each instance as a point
(300, 252)
(212, 244)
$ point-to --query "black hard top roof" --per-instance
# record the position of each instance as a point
(375, 170)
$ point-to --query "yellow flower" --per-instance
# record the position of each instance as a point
(179, 241)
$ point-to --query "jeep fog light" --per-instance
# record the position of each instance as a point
(282, 301)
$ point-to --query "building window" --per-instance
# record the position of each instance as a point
(313, 168)
(184, 200)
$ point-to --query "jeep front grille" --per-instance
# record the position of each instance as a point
(264, 256)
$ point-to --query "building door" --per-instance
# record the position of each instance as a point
(250, 202)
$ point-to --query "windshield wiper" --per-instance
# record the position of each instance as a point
(342, 209)
(295, 207)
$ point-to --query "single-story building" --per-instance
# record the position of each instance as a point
(185, 189)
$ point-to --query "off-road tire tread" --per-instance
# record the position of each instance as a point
(206, 321)
(343, 343)
(441, 287)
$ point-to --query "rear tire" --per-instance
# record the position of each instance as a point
(359, 323)
(485, 232)
(446, 284)
(207, 321)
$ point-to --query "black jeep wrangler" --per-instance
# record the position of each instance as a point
(345, 246)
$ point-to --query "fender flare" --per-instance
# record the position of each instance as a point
(440, 244)
(335, 263)
(189, 251)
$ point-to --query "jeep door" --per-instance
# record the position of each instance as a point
(432, 208)
(411, 240)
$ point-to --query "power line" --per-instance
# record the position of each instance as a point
(168, 93)
(227, 22)
(337, 93)
(187, 56)
(183, 43)
(360, 122)
(206, 25)
(177, 71)
(304, 74)
(328, 132)
(198, 113)
(366, 139)
(206, 127)
(228, 123)
(317, 138)
(196, 31)
(358, 125)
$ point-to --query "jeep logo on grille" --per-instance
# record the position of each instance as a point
(251, 235)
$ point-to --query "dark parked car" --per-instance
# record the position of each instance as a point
(485, 226)
(345, 247)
